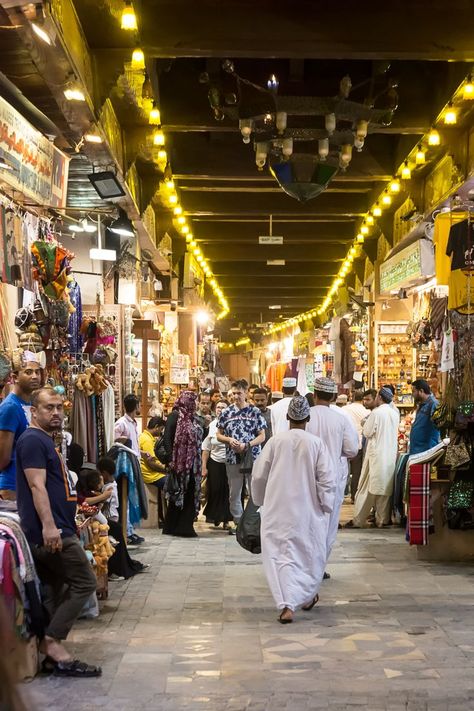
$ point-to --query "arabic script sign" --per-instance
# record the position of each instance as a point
(406, 267)
(39, 168)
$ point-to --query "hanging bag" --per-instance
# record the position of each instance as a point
(246, 461)
(457, 454)
(444, 414)
(248, 528)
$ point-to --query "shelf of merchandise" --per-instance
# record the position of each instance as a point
(395, 360)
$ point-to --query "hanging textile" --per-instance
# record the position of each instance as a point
(334, 337)
(419, 504)
(108, 402)
(10, 530)
(75, 319)
(302, 384)
(443, 223)
(460, 248)
(347, 361)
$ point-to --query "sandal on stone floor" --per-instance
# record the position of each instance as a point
(309, 607)
(285, 620)
(74, 668)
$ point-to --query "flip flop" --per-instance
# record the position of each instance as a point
(309, 607)
(284, 620)
(73, 668)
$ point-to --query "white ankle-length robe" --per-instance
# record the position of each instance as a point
(294, 483)
(341, 438)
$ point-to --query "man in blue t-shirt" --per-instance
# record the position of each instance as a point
(47, 503)
(240, 427)
(423, 434)
(15, 418)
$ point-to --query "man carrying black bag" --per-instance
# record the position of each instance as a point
(241, 427)
(294, 483)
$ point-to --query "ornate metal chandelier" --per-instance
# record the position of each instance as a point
(304, 140)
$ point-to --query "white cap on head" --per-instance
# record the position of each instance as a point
(289, 382)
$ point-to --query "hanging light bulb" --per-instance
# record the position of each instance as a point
(162, 156)
(173, 199)
(287, 147)
(360, 238)
(420, 157)
(181, 220)
(168, 176)
(394, 186)
(346, 152)
(261, 152)
(434, 137)
(147, 89)
(361, 128)
(364, 230)
(273, 84)
(158, 138)
(246, 127)
(370, 219)
(281, 121)
(323, 148)
(358, 144)
(451, 115)
(386, 199)
(178, 210)
(377, 211)
(330, 123)
(406, 171)
(468, 89)
(138, 59)
(154, 119)
(129, 19)
(345, 86)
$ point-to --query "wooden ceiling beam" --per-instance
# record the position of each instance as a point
(209, 232)
(258, 269)
(261, 253)
(279, 204)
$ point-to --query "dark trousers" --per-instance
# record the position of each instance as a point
(68, 581)
(356, 469)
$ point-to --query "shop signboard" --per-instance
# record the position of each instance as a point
(39, 169)
(407, 267)
(179, 369)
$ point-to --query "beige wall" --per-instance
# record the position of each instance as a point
(236, 365)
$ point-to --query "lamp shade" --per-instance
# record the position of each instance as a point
(122, 225)
(303, 176)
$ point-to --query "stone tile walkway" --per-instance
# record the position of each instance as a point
(198, 632)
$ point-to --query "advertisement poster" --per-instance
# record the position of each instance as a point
(179, 369)
(39, 168)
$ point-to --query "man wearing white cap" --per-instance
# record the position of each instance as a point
(378, 470)
(15, 418)
(340, 437)
(280, 408)
(293, 482)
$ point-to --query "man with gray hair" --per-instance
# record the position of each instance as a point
(378, 470)
(294, 483)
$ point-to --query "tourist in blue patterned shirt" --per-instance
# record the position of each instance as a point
(240, 426)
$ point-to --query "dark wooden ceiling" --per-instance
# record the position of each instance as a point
(310, 46)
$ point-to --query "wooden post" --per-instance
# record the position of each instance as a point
(144, 406)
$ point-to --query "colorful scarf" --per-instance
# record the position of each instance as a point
(185, 449)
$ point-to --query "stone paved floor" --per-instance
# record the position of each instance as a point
(199, 633)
